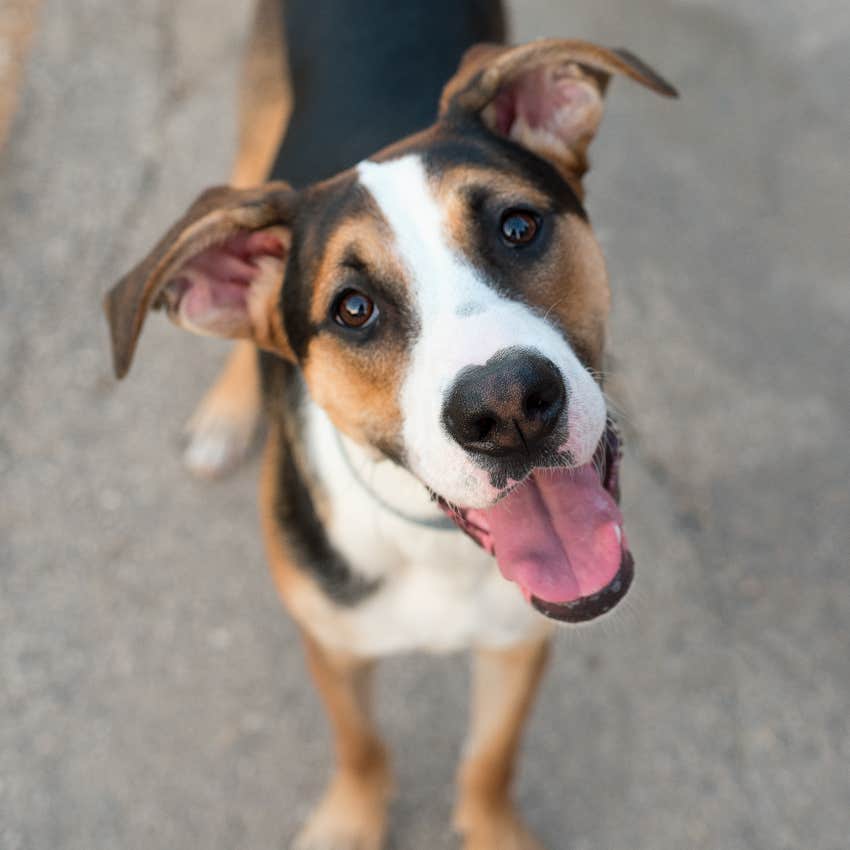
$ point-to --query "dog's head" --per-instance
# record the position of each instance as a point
(446, 301)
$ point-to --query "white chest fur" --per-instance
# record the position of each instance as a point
(438, 590)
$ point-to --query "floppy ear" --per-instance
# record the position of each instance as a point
(546, 95)
(218, 271)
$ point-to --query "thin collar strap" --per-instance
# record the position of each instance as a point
(440, 523)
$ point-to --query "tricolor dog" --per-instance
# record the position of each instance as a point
(429, 303)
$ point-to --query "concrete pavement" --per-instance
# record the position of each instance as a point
(152, 693)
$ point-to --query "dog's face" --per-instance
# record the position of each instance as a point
(453, 260)
(446, 301)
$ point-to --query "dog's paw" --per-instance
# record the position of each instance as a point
(500, 829)
(349, 817)
(219, 435)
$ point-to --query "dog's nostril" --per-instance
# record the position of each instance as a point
(537, 403)
(482, 427)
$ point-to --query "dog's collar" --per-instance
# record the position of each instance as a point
(438, 523)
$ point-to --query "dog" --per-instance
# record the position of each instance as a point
(429, 305)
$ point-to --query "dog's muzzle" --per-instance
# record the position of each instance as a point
(559, 535)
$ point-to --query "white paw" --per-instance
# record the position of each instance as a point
(351, 816)
(323, 837)
(218, 440)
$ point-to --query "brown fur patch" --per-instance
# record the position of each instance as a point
(568, 284)
(451, 183)
(504, 687)
(575, 290)
(366, 237)
(359, 385)
(358, 390)
(18, 20)
(265, 96)
(352, 812)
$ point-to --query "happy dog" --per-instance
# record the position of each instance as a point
(430, 322)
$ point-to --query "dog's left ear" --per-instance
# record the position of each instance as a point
(218, 271)
(546, 95)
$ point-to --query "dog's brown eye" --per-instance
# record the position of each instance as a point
(519, 227)
(353, 309)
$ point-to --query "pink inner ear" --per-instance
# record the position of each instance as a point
(210, 293)
(553, 100)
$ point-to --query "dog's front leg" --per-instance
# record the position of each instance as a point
(504, 686)
(225, 422)
(352, 814)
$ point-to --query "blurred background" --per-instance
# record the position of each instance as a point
(152, 691)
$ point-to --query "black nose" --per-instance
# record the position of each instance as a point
(507, 406)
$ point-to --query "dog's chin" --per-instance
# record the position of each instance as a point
(559, 535)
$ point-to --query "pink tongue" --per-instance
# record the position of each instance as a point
(557, 535)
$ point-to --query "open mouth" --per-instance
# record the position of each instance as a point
(559, 536)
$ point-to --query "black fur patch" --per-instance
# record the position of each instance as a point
(467, 141)
(368, 73)
(294, 508)
(320, 211)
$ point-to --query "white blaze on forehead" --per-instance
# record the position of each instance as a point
(462, 322)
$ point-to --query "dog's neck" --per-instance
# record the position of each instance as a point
(364, 468)
(341, 464)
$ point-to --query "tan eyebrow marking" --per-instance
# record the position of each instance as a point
(570, 283)
(365, 239)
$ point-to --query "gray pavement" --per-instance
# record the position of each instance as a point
(152, 693)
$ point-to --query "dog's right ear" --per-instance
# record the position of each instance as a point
(218, 272)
